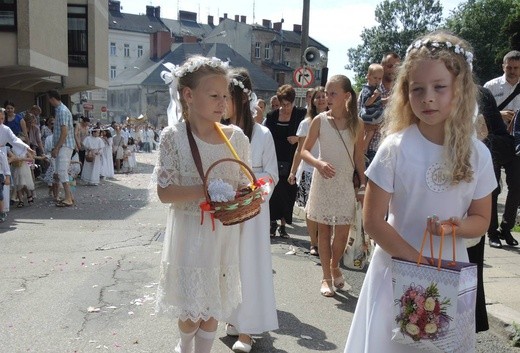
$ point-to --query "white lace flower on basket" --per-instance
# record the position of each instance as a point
(220, 191)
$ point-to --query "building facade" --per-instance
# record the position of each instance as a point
(57, 44)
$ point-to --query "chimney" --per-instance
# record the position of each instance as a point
(210, 20)
(297, 28)
(220, 19)
(189, 39)
(237, 18)
(114, 6)
(158, 12)
(225, 15)
(160, 44)
(150, 11)
(266, 23)
(243, 19)
(277, 26)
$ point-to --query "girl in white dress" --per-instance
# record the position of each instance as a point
(257, 312)
(107, 159)
(332, 197)
(430, 172)
(91, 171)
(200, 279)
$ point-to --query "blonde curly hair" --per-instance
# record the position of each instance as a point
(459, 126)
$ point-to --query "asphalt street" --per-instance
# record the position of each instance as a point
(83, 279)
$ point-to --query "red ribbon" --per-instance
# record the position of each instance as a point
(206, 207)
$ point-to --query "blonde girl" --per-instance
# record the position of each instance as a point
(200, 280)
(332, 196)
(317, 105)
(429, 172)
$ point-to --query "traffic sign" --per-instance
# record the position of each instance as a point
(103, 109)
(303, 77)
(88, 106)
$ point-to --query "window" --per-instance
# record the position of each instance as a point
(7, 15)
(112, 49)
(287, 63)
(77, 35)
(257, 50)
(317, 74)
(267, 51)
(112, 72)
(127, 50)
(139, 51)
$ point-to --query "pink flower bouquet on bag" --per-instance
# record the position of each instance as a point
(423, 313)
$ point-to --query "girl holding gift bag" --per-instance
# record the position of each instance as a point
(200, 279)
(429, 172)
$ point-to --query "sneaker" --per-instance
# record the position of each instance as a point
(3, 217)
(494, 241)
(508, 237)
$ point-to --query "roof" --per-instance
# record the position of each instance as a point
(290, 37)
(135, 23)
(277, 66)
(186, 27)
(261, 80)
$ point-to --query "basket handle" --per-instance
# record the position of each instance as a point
(439, 260)
(243, 165)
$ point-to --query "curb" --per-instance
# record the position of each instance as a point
(501, 318)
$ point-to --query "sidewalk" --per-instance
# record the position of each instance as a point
(501, 281)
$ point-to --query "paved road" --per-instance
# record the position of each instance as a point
(83, 279)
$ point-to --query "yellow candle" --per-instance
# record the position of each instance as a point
(226, 140)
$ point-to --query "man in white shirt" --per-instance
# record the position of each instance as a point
(504, 158)
(502, 87)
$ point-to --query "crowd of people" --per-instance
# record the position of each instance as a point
(424, 157)
(412, 136)
(61, 148)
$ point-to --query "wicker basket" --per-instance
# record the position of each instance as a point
(240, 209)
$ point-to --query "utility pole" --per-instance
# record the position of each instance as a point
(305, 29)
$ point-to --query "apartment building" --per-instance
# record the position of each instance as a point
(59, 44)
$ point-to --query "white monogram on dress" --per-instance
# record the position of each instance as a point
(436, 177)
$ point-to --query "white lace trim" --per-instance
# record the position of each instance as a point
(198, 293)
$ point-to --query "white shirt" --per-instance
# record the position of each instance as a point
(501, 89)
(303, 130)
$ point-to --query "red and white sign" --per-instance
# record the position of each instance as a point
(303, 77)
(88, 106)
(103, 109)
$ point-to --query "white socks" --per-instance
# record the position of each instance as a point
(185, 344)
(204, 341)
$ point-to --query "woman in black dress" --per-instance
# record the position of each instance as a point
(283, 124)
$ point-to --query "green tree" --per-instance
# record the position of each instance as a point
(481, 23)
(400, 22)
(512, 29)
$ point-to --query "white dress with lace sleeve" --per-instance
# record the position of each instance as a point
(200, 266)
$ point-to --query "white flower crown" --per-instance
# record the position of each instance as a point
(253, 100)
(433, 45)
(171, 78)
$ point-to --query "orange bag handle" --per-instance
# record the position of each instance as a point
(439, 260)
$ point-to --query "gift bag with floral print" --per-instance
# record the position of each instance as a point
(435, 305)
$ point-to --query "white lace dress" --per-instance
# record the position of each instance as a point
(332, 201)
(200, 266)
